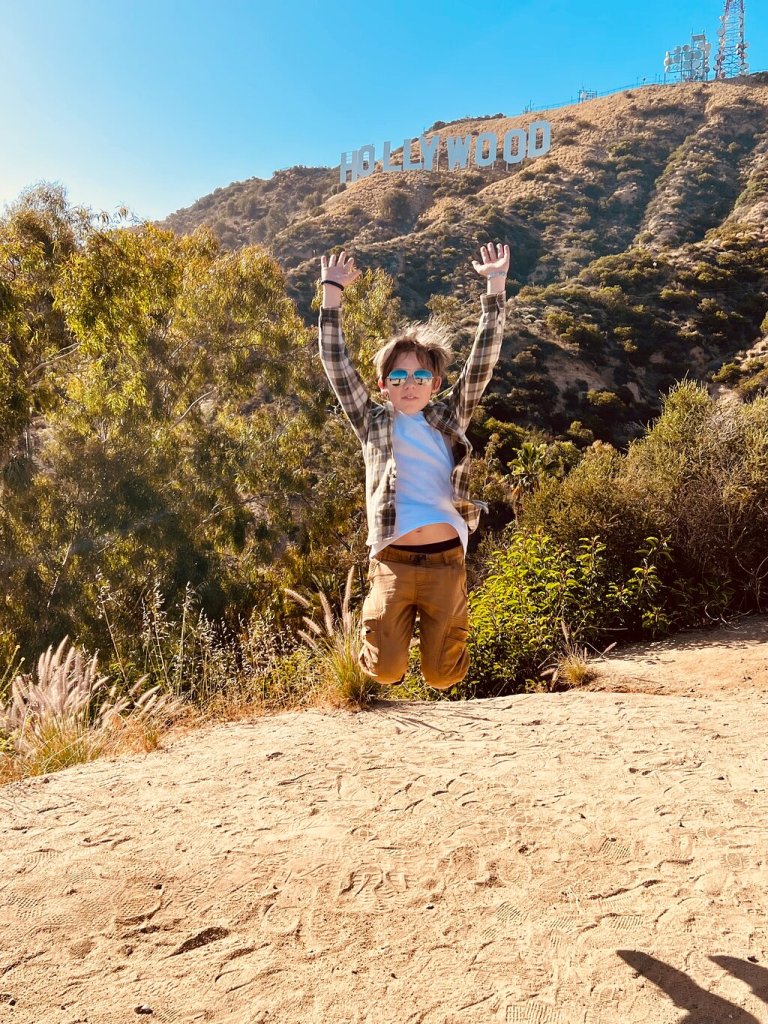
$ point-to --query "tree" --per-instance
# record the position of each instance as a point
(187, 436)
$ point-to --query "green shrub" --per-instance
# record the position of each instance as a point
(699, 477)
(588, 339)
(590, 501)
(727, 374)
(753, 385)
(559, 322)
(580, 433)
(603, 399)
(675, 295)
(538, 592)
(395, 206)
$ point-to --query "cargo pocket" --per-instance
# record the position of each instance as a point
(454, 656)
(370, 623)
(370, 645)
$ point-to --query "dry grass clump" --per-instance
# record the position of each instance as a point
(63, 715)
(574, 668)
(574, 664)
(336, 646)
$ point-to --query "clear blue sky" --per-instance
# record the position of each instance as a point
(154, 104)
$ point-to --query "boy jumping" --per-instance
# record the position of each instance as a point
(417, 459)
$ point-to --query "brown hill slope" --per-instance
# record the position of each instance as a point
(640, 245)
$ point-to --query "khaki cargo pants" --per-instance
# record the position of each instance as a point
(402, 584)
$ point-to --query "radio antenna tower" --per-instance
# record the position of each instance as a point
(732, 51)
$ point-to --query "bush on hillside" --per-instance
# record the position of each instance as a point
(699, 477)
(537, 591)
(670, 535)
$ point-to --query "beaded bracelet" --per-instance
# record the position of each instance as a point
(334, 283)
(496, 273)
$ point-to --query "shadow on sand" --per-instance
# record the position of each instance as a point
(701, 1007)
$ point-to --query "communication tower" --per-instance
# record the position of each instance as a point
(689, 63)
(732, 51)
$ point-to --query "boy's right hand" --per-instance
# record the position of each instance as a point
(340, 269)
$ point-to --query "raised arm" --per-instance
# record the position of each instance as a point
(476, 373)
(336, 274)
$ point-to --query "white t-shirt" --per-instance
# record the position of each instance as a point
(423, 487)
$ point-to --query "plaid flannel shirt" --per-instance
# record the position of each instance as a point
(450, 414)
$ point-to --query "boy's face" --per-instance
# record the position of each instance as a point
(409, 396)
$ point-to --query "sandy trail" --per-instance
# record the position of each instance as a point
(548, 859)
(700, 662)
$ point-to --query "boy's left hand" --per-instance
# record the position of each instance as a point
(496, 263)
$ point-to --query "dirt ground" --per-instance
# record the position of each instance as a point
(593, 856)
(713, 663)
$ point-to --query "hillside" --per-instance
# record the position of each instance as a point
(568, 858)
(640, 247)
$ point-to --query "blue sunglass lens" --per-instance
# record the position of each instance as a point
(420, 376)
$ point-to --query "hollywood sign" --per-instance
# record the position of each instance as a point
(516, 145)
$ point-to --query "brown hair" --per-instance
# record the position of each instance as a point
(430, 341)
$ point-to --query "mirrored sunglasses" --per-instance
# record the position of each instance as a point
(398, 377)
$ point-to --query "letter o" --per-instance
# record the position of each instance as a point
(490, 160)
(522, 143)
(534, 149)
(366, 156)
